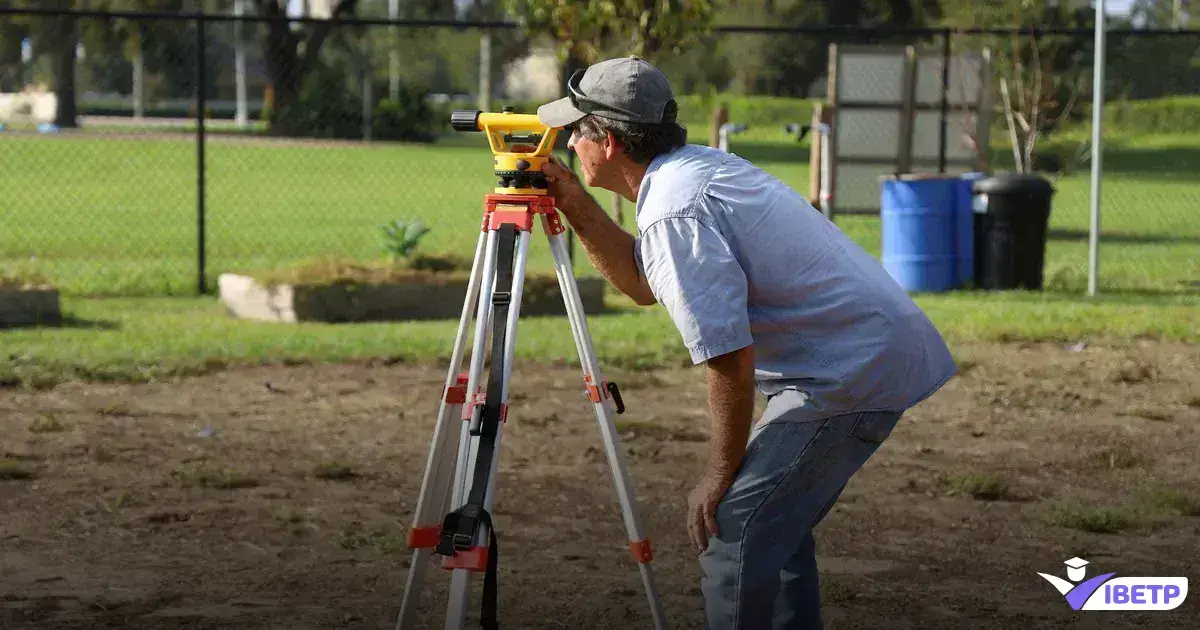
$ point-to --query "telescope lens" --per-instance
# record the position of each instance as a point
(465, 119)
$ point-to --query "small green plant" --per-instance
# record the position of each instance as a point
(1099, 520)
(333, 469)
(400, 238)
(984, 487)
(13, 470)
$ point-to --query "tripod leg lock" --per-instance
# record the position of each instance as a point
(607, 389)
(616, 396)
(475, 411)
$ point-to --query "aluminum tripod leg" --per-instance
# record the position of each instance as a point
(434, 497)
(597, 389)
(461, 578)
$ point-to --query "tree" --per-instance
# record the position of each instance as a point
(290, 54)
(59, 38)
(1162, 13)
(585, 29)
(1040, 78)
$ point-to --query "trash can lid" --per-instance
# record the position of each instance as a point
(1029, 183)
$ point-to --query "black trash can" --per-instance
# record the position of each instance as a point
(1012, 212)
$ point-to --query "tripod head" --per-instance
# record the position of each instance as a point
(521, 144)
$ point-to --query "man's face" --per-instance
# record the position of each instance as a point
(593, 157)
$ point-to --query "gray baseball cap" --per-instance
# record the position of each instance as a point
(626, 88)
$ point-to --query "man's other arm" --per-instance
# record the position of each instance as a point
(731, 408)
(705, 291)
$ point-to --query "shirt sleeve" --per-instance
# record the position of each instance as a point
(693, 273)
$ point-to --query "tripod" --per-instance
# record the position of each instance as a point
(465, 536)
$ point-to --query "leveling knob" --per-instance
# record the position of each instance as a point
(465, 119)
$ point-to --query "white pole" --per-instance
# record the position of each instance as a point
(485, 71)
(1097, 117)
(394, 53)
(139, 76)
(825, 193)
(239, 61)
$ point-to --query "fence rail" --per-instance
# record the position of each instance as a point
(168, 148)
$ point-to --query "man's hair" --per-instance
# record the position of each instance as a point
(642, 141)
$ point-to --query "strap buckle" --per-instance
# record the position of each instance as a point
(458, 531)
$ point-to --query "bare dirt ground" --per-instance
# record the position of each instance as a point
(280, 497)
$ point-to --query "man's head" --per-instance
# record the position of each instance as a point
(621, 115)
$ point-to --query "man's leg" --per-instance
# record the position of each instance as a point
(791, 473)
(799, 604)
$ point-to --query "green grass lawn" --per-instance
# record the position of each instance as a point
(140, 339)
(117, 215)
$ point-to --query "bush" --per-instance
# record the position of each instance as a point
(326, 109)
(695, 109)
(410, 119)
(1176, 114)
(747, 109)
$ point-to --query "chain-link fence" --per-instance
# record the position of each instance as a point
(315, 142)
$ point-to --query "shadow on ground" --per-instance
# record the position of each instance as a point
(67, 321)
(1124, 237)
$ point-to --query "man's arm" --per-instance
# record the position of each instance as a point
(609, 247)
(731, 408)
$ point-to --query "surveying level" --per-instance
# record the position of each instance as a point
(453, 512)
(520, 142)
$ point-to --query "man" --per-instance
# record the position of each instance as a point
(765, 292)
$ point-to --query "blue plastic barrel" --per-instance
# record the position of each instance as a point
(921, 232)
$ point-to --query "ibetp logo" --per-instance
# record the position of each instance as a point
(1105, 592)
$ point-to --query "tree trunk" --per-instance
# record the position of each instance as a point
(282, 61)
(286, 65)
(65, 45)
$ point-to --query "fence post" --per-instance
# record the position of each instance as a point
(201, 104)
(1100, 55)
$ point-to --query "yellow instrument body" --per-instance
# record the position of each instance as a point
(520, 143)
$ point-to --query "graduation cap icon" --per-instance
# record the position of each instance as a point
(1075, 569)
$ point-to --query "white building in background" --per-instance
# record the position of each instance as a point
(320, 9)
(536, 76)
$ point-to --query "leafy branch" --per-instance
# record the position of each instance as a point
(583, 28)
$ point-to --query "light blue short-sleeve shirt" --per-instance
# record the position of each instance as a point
(737, 257)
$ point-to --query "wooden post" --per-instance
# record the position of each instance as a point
(719, 118)
(829, 116)
(908, 112)
(814, 157)
(618, 212)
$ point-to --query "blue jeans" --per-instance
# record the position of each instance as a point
(760, 572)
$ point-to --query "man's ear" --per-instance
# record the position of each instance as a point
(612, 147)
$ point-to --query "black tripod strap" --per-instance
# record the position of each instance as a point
(487, 614)
(501, 300)
(461, 525)
(490, 416)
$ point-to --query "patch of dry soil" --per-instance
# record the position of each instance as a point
(280, 497)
